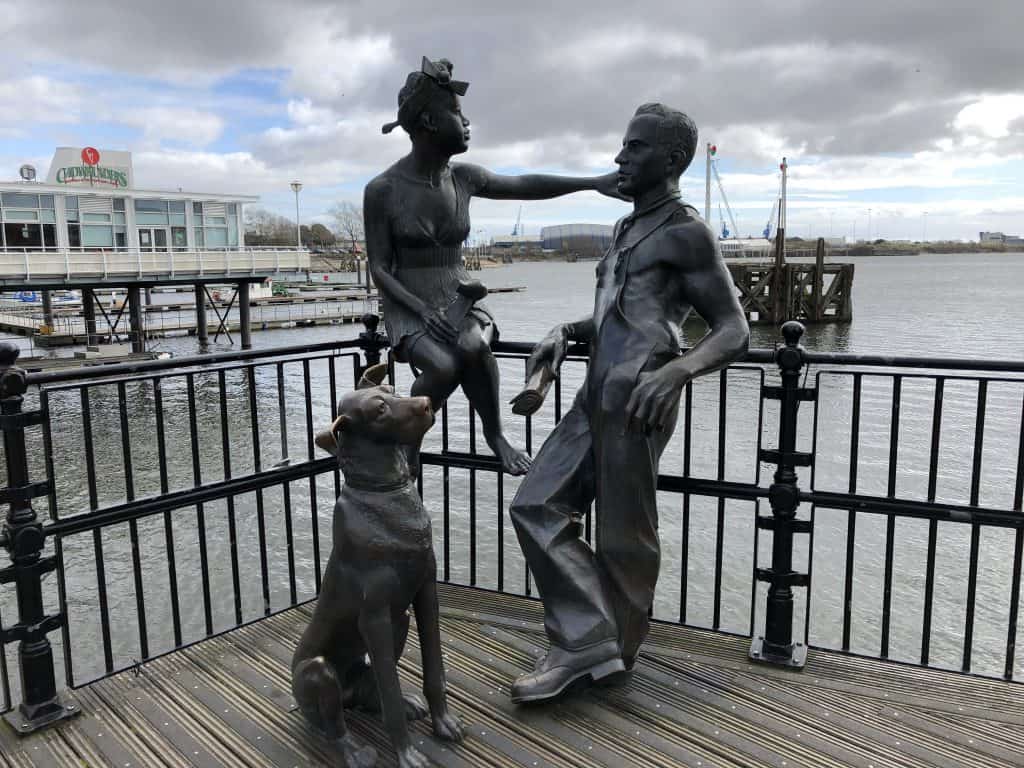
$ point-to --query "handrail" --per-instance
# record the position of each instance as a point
(91, 373)
(207, 380)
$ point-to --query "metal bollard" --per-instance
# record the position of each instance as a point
(371, 341)
(24, 539)
(776, 646)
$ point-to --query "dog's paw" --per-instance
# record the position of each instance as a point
(410, 757)
(448, 727)
(357, 756)
(415, 709)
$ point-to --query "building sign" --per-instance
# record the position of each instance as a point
(91, 167)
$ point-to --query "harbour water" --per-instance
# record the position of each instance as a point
(948, 305)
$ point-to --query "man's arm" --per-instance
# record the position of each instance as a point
(712, 294)
(551, 349)
(534, 186)
(710, 291)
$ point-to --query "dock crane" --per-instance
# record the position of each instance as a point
(728, 208)
(712, 167)
(776, 217)
(517, 229)
(771, 219)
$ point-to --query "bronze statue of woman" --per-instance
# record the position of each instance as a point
(416, 218)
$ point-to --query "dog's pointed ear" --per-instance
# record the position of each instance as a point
(373, 376)
(328, 438)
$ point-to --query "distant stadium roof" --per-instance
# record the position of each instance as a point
(573, 235)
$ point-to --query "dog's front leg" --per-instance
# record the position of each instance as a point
(376, 629)
(446, 725)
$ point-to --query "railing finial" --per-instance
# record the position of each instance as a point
(792, 332)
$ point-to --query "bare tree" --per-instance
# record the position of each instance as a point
(348, 222)
(265, 228)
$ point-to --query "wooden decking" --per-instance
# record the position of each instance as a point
(695, 701)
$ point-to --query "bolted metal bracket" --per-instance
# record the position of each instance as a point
(794, 656)
(43, 716)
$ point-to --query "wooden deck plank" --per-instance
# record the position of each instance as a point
(695, 700)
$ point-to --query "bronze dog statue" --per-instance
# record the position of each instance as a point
(381, 563)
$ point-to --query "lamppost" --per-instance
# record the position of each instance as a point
(869, 225)
(296, 186)
(924, 228)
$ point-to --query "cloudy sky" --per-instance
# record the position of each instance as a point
(912, 109)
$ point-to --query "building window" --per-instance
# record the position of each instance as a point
(216, 224)
(92, 222)
(150, 206)
(29, 221)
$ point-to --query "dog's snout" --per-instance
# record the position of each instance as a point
(424, 404)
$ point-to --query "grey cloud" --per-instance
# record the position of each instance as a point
(820, 75)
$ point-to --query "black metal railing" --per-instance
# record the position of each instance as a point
(186, 499)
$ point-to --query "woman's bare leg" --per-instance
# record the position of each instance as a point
(480, 383)
(439, 366)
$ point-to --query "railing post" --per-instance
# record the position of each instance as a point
(776, 646)
(23, 538)
(371, 341)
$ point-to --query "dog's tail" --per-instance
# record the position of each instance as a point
(318, 693)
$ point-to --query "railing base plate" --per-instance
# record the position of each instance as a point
(59, 710)
(795, 659)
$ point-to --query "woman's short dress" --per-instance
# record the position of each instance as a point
(428, 263)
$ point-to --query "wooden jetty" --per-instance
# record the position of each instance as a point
(694, 701)
(70, 326)
(780, 290)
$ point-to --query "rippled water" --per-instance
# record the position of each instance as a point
(962, 305)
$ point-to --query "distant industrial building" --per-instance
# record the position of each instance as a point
(518, 242)
(998, 238)
(580, 238)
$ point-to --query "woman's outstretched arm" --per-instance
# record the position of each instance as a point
(534, 186)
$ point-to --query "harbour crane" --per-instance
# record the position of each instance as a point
(517, 229)
(771, 219)
(728, 208)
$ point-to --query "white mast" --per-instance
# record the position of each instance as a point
(782, 201)
(707, 185)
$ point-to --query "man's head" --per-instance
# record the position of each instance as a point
(658, 146)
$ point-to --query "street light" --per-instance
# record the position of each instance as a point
(924, 228)
(296, 186)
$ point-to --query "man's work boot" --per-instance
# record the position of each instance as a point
(625, 677)
(559, 668)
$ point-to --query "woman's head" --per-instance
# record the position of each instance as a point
(429, 107)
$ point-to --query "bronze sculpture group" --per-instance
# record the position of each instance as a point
(663, 262)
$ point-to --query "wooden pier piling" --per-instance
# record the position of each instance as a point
(780, 290)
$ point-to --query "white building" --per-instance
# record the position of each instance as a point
(88, 216)
(89, 201)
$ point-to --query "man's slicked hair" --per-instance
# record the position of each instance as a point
(676, 131)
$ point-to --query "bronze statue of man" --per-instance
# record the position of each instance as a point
(417, 217)
(663, 262)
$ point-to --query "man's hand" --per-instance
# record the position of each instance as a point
(654, 398)
(609, 185)
(550, 351)
(439, 328)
